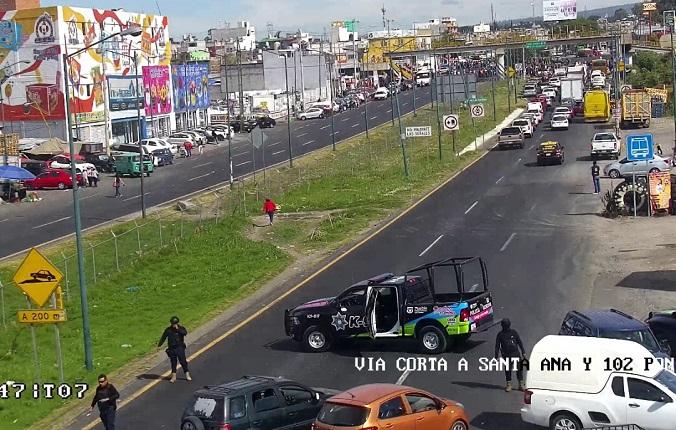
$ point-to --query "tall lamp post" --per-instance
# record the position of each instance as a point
(288, 108)
(224, 59)
(2, 106)
(670, 18)
(89, 364)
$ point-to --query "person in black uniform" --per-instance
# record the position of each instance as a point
(106, 397)
(596, 172)
(508, 343)
(174, 335)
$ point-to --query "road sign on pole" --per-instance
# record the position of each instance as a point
(451, 123)
(422, 131)
(538, 44)
(640, 147)
(476, 100)
(478, 110)
(41, 316)
(258, 137)
(37, 277)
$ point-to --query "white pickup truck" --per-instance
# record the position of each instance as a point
(605, 144)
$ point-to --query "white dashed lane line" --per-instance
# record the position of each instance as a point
(511, 237)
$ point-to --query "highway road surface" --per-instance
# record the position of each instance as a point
(526, 221)
(28, 225)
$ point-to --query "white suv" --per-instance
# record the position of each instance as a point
(154, 143)
(525, 125)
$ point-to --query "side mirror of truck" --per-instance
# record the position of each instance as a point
(665, 346)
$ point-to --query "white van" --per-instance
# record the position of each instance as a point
(622, 383)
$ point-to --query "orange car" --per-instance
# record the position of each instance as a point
(385, 406)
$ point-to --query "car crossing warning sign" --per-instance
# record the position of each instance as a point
(451, 123)
(37, 277)
(477, 110)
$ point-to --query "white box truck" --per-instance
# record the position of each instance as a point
(572, 88)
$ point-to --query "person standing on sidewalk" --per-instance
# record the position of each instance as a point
(596, 172)
(106, 398)
(509, 345)
(175, 337)
(117, 184)
(269, 207)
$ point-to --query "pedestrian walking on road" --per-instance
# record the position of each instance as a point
(509, 345)
(188, 148)
(117, 184)
(175, 335)
(200, 149)
(106, 398)
(90, 177)
(658, 148)
(95, 176)
(596, 172)
(269, 207)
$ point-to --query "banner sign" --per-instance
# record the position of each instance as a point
(559, 10)
(156, 84)
(122, 93)
(660, 190)
(191, 86)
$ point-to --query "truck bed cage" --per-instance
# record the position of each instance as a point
(456, 263)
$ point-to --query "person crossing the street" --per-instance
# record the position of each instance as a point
(509, 345)
(117, 184)
(175, 336)
(106, 399)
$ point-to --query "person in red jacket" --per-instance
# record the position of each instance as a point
(269, 207)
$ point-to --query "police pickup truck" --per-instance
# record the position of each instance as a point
(437, 304)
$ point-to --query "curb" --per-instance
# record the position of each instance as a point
(481, 140)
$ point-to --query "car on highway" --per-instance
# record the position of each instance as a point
(397, 307)
(598, 82)
(533, 118)
(511, 136)
(254, 402)
(530, 90)
(537, 112)
(551, 94)
(53, 178)
(627, 168)
(663, 325)
(265, 121)
(310, 113)
(605, 143)
(244, 124)
(621, 387)
(555, 81)
(385, 406)
(162, 157)
(549, 152)
(381, 93)
(525, 125)
(559, 122)
(611, 324)
(563, 110)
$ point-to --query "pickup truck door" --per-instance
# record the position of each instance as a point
(648, 406)
(370, 311)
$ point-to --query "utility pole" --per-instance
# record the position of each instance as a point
(333, 125)
(288, 109)
(354, 52)
(241, 90)
(319, 68)
(138, 118)
(231, 179)
(672, 22)
(401, 136)
(302, 77)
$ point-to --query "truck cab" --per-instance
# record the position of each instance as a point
(436, 303)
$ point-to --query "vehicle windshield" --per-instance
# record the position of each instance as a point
(644, 337)
(667, 379)
(604, 136)
(511, 130)
(335, 414)
(559, 118)
(424, 75)
(520, 122)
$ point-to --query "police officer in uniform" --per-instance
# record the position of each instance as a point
(174, 335)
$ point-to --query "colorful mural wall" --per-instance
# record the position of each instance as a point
(157, 90)
(34, 39)
(191, 86)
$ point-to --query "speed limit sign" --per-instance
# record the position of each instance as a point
(451, 123)
(477, 110)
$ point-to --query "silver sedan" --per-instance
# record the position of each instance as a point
(625, 167)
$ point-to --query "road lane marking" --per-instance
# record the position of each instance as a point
(532, 207)
(276, 143)
(241, 164)
(541, 134)
(500, 180)
(389, 110)
(302, 134)
(431, 245)
(279, 152)
(135, 197)
(356, 125)
(202, 176)
(138, 393)
(471, 207)
(85, 198)
(325, 127)
(403, 377)
(6, 219)
(511, 237)
(374, 117)
(203, 164)
(531, 147)
(51, 222)
(345, 119)
(308, 142)
(240, 154)
(404, 104)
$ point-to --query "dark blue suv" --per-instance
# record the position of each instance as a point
(612, 324)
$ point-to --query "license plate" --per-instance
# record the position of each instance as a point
(548, 154)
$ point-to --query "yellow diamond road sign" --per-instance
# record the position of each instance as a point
(37, 277)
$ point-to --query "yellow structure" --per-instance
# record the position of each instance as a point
(379, 46)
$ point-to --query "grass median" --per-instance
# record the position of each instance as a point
(327, 199)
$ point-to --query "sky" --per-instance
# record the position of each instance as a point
(313, 16)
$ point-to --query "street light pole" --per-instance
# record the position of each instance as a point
(228, 132)
(140, 144)
(673, 70)
(333, 126)
(288, 110)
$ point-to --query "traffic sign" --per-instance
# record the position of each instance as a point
(258, 138)
(37, 277)
(511, 72)
(477, 110)
(647, 7)
(476, 100)
(41, 316)
(640, 147)
(423, 131)
(451, 123)
(538, 44)
(624, 88)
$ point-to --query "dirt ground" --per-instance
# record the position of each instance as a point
(635, 258)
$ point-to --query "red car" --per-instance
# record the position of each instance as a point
(53, 178)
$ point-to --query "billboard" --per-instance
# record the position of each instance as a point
(191, 86)
(559, 10)
(122, 93)
(156, 84)
(660, 190)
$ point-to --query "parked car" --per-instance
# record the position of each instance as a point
(383, 406)
(310, 113)
(511, 136)
(602, 395)
(663, 325)
(221, 131)
(198, 138)
(63, 162)
(549, 152)
(611, 324)
(559, 122)
(162, 157)
(154, 143)
(260, 402)
(381, 93)
(525, 125)
(53, 178)
(625, 167)
(606, 143)
(180, 138)
(265, 121)
(102, 161)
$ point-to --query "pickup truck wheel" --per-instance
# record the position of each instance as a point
(565, 421)
(315, 339)
(192, 423)
(614, 174)
(432, 340)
